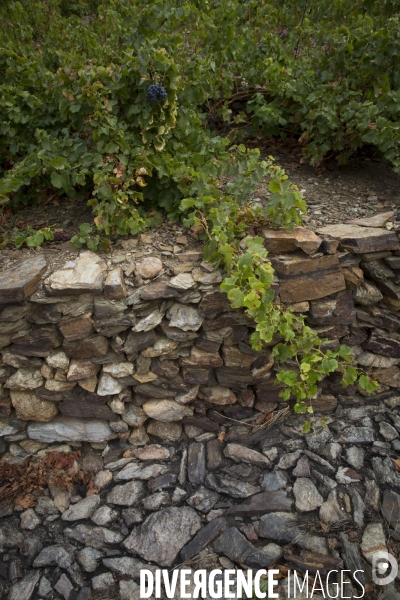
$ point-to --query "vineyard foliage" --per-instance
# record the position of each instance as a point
(76, 120)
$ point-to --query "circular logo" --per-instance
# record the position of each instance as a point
(384, 569)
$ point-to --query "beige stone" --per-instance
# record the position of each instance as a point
(166, 410)
(25, 379)
(219, 395)
(59, 386)
(85, 274)
(81, 369)
(29, 407)
(148, 267)
(114, 285)
(77, 328)
(88, 384)
(281, 241)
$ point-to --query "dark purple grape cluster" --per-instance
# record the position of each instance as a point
(156, 93)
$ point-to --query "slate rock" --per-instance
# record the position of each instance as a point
(77, 328)
(285, 528)
(355, 457)
(66, 429)
(20, 281)
(135, 470)
(114, 285)
(357, 435)
(124, 565)
(127, 494)
(89, 559)
(277, 480)
(58, 555)
(391, 508)
(83, 509)
(163, 535)
(214, 454)
(302, 468)
(260, 504)
(331, 511)
(231, 487)
(383, 342)
(203, 499)
(205, 536)
(196, 463)
(39, 341)
(91, 347)
(85, 274)
(234, 545)
(240, 453)
(356, 239)
(23, 589)
(303, 279)
(306, 494)
(93, 536)
(352, 559)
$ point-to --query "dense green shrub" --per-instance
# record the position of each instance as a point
(75, 118)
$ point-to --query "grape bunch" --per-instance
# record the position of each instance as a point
(156, 93)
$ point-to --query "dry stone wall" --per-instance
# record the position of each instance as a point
(91, 351)
(136, 359)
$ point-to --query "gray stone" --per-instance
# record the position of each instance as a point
(357, 435)
(201, 540)
(232, 487)
(355, 456)
(45, 587)
(148, 323)
(184, 317)
(287, 461)
(372, 494)
(391, 508)
(285, 528)
(83, 509)
(356, 239)
(108, 385)
(163, 535)
(331, 511)
(89, 558)
(358, 506)
(352, 560)
(23, 590)
(274, 481)
(58, 555)
(306, 495)
(302, 468)
(104, 515)
(385, 471)
(156, 501)
(387, 431)
(240, 453)
(29, 520)
(139, 471)
(67, 429)
(20, 281)
(94, 536)
(102, 582)
(202, 499)
(125, 566)
(127, 494)
(234, 545)
(196, 463)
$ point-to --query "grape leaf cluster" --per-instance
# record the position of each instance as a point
(156, 93)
